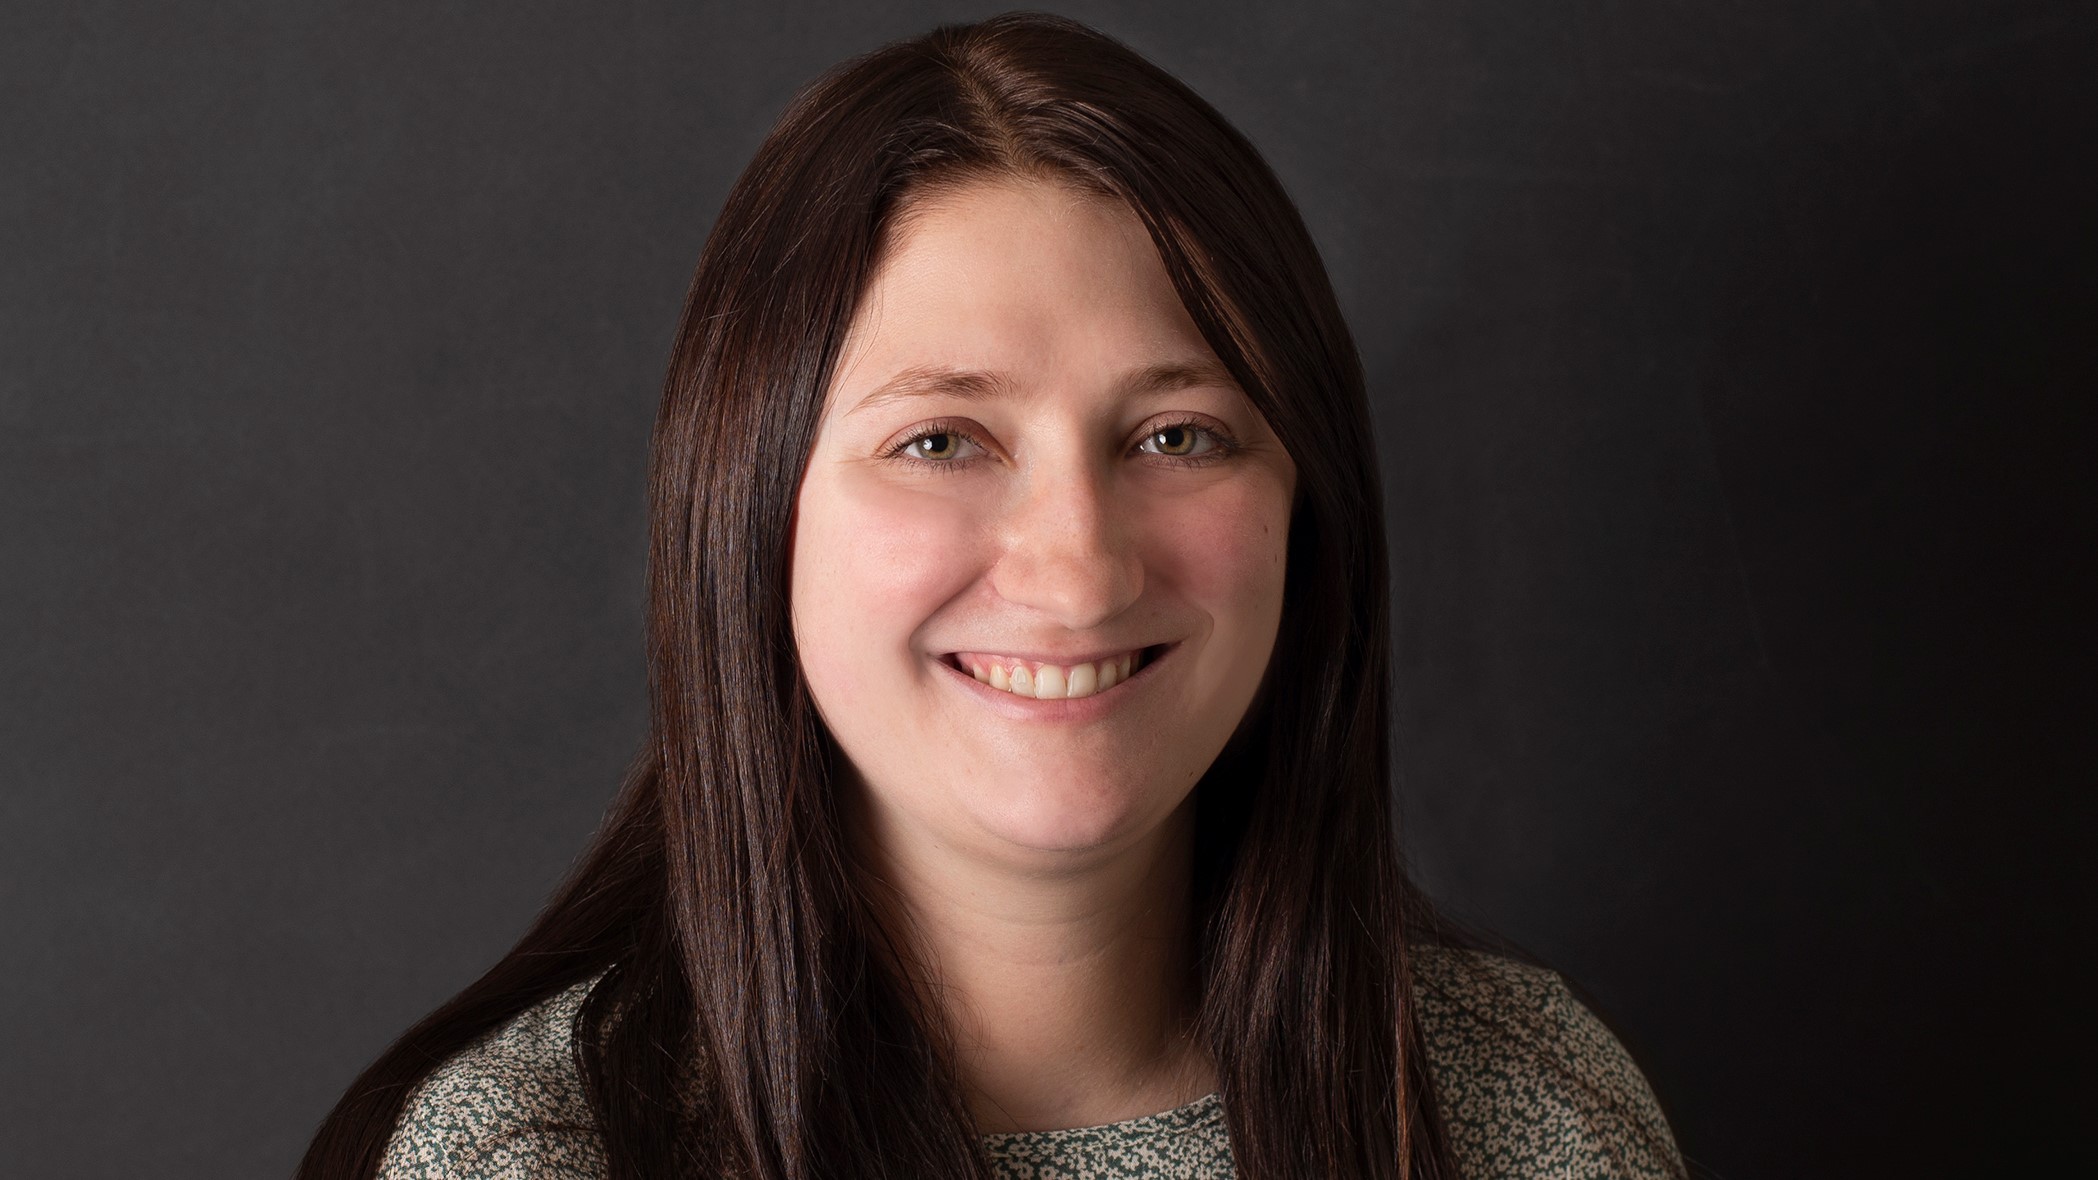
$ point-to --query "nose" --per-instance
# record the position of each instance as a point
(1068, 550)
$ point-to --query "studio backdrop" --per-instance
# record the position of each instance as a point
(1729, 367)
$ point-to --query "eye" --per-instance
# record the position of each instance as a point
(936, 445)
(1183, 440)
(944, 444)
(948, 446)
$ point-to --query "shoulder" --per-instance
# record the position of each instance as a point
(508, 1107)
(1530, 1081)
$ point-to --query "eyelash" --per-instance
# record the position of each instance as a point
(1225, 446)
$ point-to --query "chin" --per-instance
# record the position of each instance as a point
(1057, 821)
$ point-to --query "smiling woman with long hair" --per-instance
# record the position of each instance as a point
(1017, 798)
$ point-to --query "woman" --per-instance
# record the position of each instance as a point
(1017, 799)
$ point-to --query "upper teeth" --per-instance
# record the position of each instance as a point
(1028, 678)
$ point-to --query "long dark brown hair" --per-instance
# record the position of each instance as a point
(745, 1024)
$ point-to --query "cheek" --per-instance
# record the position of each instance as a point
(1228, 553)
(870, 565)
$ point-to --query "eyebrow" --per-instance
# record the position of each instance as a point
(981, 385)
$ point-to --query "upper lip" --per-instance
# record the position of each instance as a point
(1091, 656)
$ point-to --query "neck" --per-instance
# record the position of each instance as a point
(1069, 993)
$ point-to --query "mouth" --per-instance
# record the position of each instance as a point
(1046, 681)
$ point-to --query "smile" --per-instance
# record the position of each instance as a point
(1051, 682)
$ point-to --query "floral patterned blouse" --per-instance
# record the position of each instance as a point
(1531, 1084)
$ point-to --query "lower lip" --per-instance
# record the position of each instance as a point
(1069, 709)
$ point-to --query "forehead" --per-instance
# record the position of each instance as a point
(1027, 277)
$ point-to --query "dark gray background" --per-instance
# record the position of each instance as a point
(1730, 364)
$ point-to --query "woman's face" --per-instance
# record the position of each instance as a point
(1038, 550)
